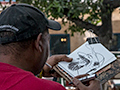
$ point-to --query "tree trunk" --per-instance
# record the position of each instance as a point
(105, 31)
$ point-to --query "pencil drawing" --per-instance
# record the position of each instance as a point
(93, 60)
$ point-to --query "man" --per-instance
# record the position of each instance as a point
(24, 49)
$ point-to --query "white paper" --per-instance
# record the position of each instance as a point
(88, 58)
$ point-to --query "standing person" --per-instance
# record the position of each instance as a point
(24, 48)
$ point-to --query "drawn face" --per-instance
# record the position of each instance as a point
(81, 62)
(86, 60)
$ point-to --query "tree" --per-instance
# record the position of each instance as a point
(75, 10)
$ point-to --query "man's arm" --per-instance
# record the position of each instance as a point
(52, 61)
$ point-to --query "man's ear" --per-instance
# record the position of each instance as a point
(39, 43)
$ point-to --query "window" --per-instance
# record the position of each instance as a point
(59, 44)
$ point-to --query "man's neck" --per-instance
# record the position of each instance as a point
(10, 59)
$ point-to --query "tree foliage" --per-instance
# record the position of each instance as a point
(74, 11)
(68, 9)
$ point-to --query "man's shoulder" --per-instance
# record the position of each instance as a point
(18, 79)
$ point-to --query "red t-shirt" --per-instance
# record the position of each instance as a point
(13, 78)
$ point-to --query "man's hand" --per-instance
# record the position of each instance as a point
(53, 60)
(93, 85)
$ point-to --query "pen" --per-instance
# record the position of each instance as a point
(87, 78)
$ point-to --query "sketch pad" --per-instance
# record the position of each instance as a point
(88, 58)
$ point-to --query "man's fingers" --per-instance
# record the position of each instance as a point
(59, 58)
(78, 84)
(95, 83)
(67, 59)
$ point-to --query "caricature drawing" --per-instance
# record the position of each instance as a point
(81, 62)
(92, 59)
